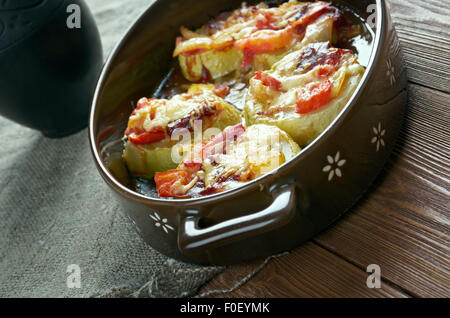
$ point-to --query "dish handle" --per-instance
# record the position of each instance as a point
(192, 239)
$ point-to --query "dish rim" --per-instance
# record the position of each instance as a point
(377, 49)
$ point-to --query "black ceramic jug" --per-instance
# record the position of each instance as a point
(50, 59)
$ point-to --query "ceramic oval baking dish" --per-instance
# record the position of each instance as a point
(281, 210)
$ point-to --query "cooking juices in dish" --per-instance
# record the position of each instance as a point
(269, 80)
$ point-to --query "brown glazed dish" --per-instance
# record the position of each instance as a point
(278, 211)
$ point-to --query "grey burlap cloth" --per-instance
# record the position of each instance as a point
(56, 211)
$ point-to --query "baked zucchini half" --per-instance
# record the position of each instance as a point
(156, 125)
(233, 158)
(304, 92)
(256, 36)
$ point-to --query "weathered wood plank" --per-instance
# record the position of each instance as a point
(430, 16)
(310, 271)
(403, 224)
(424, 31)
(425, 137)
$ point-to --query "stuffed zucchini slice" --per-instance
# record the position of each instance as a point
(154, 121)
(258, 36)
(229, 160)
(304, 92)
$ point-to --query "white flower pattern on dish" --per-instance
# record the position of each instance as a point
(161, 223)
(334, 166)
(390, 73)
(379, 134)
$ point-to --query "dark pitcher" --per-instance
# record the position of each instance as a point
(50, 59)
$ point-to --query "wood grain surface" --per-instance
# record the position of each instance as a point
(424, 32)
(403, 223)
(309, 272)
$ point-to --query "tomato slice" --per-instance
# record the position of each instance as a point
(314, 11)
(166, 183)
(263, 42)
(268, 80)
(219, 143)
(221, 90)
(314, 97)
(193, 164)
(171, 183)
(266, 22)
(249, 55)
(144, 102)
(146, 137)
(196, 46)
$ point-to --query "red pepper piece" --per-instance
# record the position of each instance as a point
(314, 97)
(165, 183)
(146, 137)
(268, 80)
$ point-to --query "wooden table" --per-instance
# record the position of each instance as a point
(402, 224)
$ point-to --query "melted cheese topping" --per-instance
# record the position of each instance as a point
(303, 69)
(295, 71)
(256, 35)
(198, 102)
(243, 23)
(258, 151)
